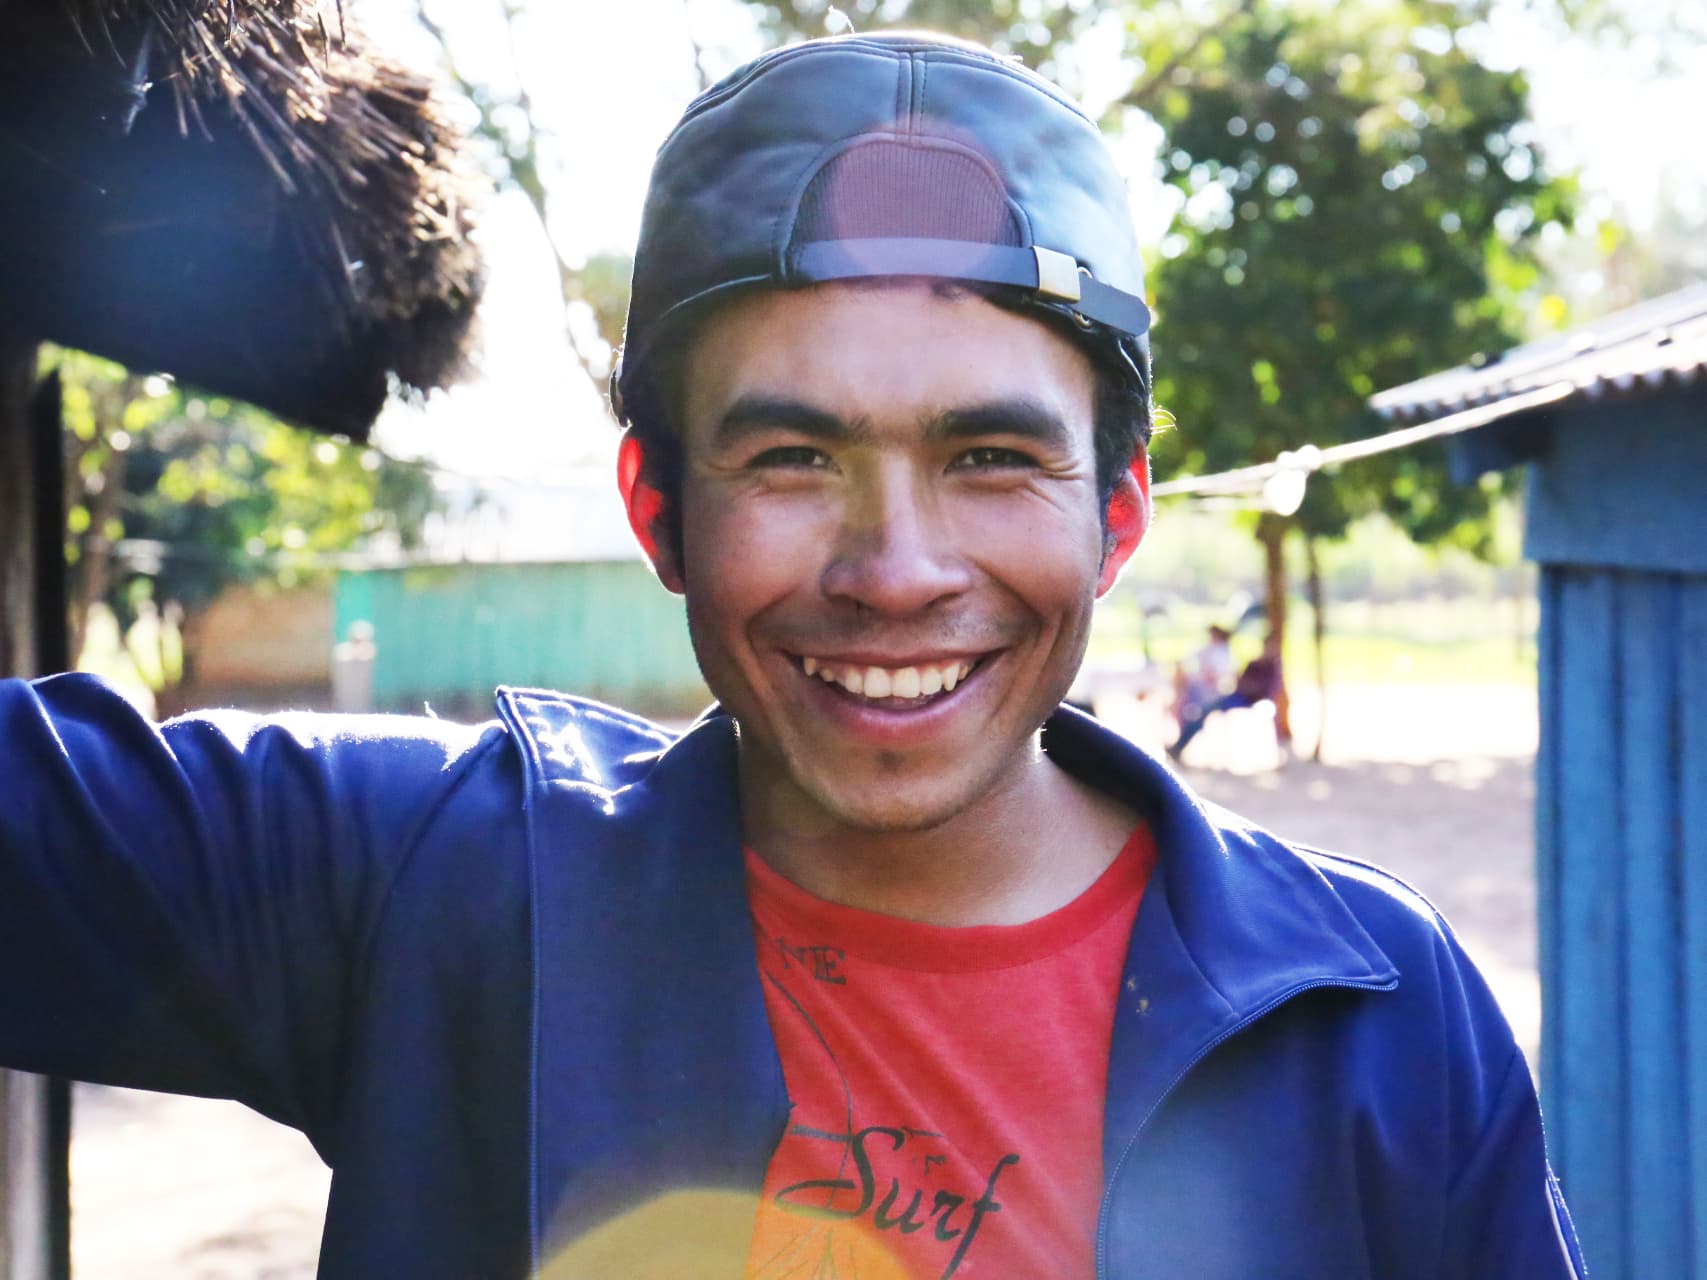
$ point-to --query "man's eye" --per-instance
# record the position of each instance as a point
(791, 456)
(993, 456)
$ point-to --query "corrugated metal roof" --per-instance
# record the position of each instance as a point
(1644, 346)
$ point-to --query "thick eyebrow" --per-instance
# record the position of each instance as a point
(753, 414)
(1020, 416)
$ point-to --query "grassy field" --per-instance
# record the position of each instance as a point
(1456, 641)
(1397, 612)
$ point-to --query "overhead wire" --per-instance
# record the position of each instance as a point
(1311, 458)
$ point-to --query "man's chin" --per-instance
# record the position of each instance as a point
(881, 810)
(822, 787)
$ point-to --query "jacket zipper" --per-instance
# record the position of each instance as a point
(1261, 1011)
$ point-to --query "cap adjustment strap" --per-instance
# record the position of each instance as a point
(1056, 276)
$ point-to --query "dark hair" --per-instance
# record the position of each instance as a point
(1121, 411)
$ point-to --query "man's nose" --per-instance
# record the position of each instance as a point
(896, 552)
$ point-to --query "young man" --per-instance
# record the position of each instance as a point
(887, 967)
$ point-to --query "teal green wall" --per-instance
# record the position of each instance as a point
(449, 634)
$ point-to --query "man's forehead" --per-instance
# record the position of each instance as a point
(897, 349)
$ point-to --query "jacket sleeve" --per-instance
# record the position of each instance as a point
(1506, 1213)
(185, 907)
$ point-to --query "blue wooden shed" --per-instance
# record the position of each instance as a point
(1617, 520)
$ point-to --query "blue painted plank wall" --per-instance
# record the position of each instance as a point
(1622, 886)
(1621, 485)
(1691, 820)
(1648, 607)
(1585, 1068)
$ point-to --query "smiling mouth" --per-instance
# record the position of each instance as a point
(892, 686)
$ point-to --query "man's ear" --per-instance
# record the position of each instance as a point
(646, 516)
(1128, 519)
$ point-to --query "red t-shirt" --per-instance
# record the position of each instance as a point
(947, 1084)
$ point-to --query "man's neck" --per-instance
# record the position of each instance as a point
(1024, 849)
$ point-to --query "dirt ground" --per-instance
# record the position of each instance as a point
(1433, 782)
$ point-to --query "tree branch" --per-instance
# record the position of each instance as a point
(700, 73)
(1143, 94)
(523, 170)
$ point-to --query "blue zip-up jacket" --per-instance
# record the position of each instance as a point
(503, 978)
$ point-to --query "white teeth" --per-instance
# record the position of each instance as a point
(905, 683)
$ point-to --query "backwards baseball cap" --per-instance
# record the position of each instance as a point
(897, 154)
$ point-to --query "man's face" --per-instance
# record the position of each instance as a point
(892, 544)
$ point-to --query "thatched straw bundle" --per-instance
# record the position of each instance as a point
(235, 191)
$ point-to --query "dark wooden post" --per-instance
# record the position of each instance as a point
(17, 506)
(34, 1112)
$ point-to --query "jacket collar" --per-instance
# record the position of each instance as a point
(654, 1069)
(1233, 923)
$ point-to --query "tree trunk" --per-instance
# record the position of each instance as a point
(1319, 624)
(1271, 532)
(173, 699)
(96, 568)
(47, 426)
(101, 492)
(34, 1112)
(17, 507)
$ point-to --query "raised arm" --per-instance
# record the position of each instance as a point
(186, 907)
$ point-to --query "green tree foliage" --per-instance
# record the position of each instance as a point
(1361, 205)
(173, 496)
(1029, 30)
(1657, 32)
(1638, 239)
